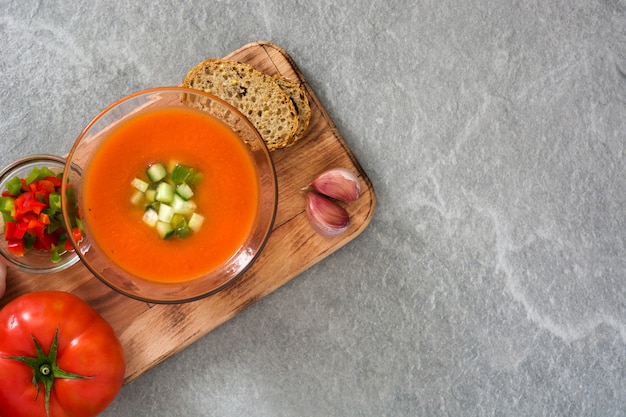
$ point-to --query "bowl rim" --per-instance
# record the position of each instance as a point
(266, 235)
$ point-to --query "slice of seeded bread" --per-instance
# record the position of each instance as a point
(255, 94)
(301, 103)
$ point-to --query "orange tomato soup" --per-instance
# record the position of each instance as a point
(227, 196)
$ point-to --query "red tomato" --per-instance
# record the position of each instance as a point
(57, 332)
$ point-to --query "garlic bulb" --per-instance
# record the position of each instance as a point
(327, 218)
(338, 183)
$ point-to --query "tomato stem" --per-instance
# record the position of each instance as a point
(45, 369)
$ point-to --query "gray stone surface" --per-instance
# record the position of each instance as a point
(492, 279)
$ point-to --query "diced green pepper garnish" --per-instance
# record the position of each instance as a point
(79, 224)
(182, 229)
(71, 196)
(45, 172)
(195, 178)
(54, 200)
(14, 186)
(7, 204)
(54, 224)
(32, 176)
(55, 257)
(29, 241)
(6, 216)
(180, 173)
(72, 205)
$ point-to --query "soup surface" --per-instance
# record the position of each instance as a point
(227, 196)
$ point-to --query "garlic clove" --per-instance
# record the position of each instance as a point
(338, 183)
(326, 217)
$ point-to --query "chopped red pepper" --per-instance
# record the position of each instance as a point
(16, 247)
(9, 230)
(36, 228)
(24, 184)
(45, 242)
(44, 218)
(56, 181)
(27, 202)
(20, 230)
(77, 234)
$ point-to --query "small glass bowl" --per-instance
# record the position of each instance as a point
(97, 259)
(33, 261)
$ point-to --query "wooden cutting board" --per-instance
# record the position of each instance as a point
(150, 333)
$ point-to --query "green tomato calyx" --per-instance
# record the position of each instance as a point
(45, 369)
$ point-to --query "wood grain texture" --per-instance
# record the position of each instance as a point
(150, 333)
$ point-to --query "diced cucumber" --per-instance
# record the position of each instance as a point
(139, 184)
(164, 229)
(166, 212)
(177, 218)
(150, 217)
(154, 206)
(195, 222)
(183, 207)
(156, 172)
(165, 192)
(184, 191)
(137, 198)
(168, 199)
(150, 196)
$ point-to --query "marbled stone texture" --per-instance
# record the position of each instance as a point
(492, 279)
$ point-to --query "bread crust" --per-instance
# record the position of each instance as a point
(255, 94)
(298, 97)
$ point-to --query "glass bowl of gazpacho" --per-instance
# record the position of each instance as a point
(34, 238)
(177, 194)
